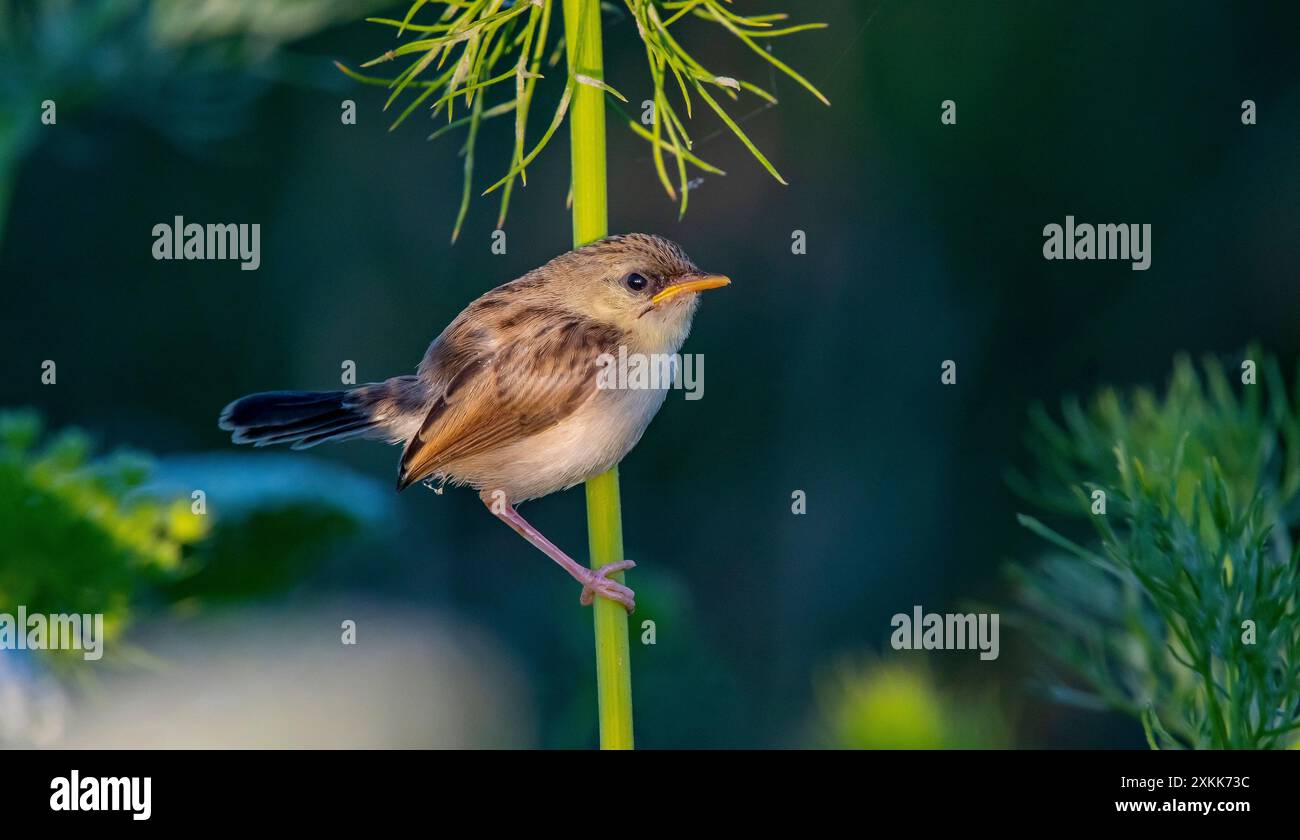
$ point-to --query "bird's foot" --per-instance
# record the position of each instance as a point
(597, 582)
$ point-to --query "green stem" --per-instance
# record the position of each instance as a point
(591, 222)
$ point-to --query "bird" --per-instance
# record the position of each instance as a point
(509, 399)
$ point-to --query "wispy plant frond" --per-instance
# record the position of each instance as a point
(476, 50)
(1183, 608)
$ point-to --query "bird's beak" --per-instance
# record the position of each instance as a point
(688, 284)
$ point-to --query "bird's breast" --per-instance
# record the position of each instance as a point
(588, 442)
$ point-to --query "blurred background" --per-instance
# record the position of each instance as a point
(924, 244)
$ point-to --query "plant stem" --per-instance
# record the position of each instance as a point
(590, 222)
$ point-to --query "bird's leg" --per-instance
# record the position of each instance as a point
(594, 581)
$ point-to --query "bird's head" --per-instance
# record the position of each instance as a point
(643, 284)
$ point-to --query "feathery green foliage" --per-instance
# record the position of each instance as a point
(1183, 609)
(117, 534)
(79, 537)
(470, 50)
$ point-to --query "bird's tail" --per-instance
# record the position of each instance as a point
(306, 418)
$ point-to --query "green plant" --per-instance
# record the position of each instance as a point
(78, 535)
(582, 32)
(474, 48)
(118, 534)
(458, 55)
(1182, 610)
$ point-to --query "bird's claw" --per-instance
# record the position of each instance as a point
(598, 583)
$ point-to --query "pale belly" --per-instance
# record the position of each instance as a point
(584, 444)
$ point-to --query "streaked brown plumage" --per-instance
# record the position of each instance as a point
(506, 398)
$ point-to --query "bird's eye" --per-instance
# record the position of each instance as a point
(636, 282)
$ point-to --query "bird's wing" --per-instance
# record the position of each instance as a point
(502, 392)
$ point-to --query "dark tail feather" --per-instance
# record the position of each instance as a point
(299, 418)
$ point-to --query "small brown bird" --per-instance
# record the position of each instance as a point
(508, 399)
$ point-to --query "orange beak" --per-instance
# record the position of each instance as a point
(689, 285)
